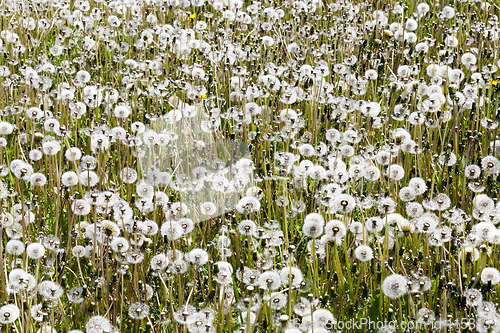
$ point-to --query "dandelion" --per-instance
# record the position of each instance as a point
(418, 185)
(14, 231)
(356, 228)
(484, 203)
(172, 230)
(386, 205)
(269, 280)
(9, 313)
(490, 165)
(151, 228)
(448, 12)
(248, 204)
(52, 242)
(371, 173)
(138, 310)
(248, 276)
(322, 318)
(134, 257)
(6, 128)
(21, 169)
(159, 262)
(73, 154)
(488, 324)
(122, 111)
(178, 266)
(371, 74)
(119, 244)
(303, 307)
(395, 286)
(335, 229)
(473, 297)
(490, 275)
(208, 208)
(470, 253)
(98, 324)
(344, 203)
(51, 148)
(363, 253)
(38, 179)
(406, 194)
(291, 276)
(35, 251)
(472, 171)
(395, 172)
(35, 155)
(14, 247)
(384, 157)
(80, 207)
(99, 141)
(75, 295)
(442, 202)
(425, 317)
(19, 279)
(50, 290)
(128, 175)
(47, 328)
(370, 169)
(224, 277)
(307, 150)
(247, 228)
(36, 312)
(313, 225)
(198, 257)
(6, 219)
(79, 251)
(145, 190)
(447, 159)
(187, 225)
(69, 179)
(486, 309)
(88, 178)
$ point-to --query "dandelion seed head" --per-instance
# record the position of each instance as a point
(363, 253)
(138, 310)
(98, 324)
(490, 275)
(15, 247)
(50, 290)
(269, 280)
(35, 251)
(395, 286)
(313, 225)
(473, 297)
(247, 228)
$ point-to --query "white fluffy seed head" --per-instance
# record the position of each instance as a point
(35, 251)
(313, 225)
(395, 286)
(490, 275)
(363, 253)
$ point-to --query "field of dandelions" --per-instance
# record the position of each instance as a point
(249, 166)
